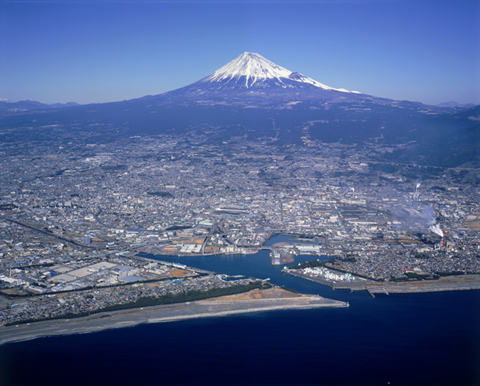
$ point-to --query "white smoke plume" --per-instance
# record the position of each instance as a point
(436, 229)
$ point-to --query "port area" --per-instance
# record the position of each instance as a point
(281, 256)
(253, 301)
(447, 283)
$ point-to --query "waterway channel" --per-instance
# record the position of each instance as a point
(259, 265)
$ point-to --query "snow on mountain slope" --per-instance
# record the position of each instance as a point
(253, 69)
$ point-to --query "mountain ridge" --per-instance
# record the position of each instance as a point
(7, 107)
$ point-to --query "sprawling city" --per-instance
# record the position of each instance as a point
(80, 221)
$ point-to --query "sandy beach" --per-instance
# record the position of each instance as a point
(269, 301)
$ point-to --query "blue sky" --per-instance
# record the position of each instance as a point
(101, 51)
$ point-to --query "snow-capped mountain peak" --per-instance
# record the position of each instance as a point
(250, 65)
(252, 69)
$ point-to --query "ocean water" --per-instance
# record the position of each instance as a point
(399, 339)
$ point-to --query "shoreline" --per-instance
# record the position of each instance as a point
(160, 314)
(449, 283)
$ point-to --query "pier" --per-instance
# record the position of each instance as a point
(371, 293)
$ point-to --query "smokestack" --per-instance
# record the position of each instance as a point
(441, 243)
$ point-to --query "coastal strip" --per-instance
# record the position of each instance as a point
(160, 314)
(448, 283)
(248, 306)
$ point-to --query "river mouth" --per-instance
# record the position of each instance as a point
(257, 265)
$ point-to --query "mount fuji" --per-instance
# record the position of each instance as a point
(252, 97)
(250, 79)
(253, 71)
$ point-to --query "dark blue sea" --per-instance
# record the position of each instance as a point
(399, 339)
